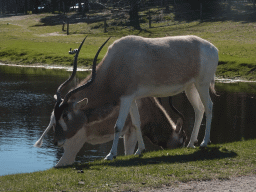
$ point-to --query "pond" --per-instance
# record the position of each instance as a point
(26, 102)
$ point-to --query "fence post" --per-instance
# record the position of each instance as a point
(88, 18)
(67, 26)
(105, 25)
(149, 19)
(201, 11)
(229, 6)
(63, 25)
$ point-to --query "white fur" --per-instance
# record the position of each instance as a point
(160, 91)
(156, 67)
(126, 102)
(154, 85)
(63, 124)
(71, 147)
(69, 116)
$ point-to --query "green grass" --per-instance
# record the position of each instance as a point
(153, 169)
(27, 40)
(33, 39)
(30, 48)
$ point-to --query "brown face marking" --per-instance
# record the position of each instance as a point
(58, 133)
(77, 121)
(68, 121)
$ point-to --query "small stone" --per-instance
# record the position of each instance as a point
(81, 183)
(80, 171)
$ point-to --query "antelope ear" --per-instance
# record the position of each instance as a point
(55, 97)
(179, 125)
(80, 104)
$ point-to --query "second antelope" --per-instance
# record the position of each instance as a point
(135, 67)
(156, 125)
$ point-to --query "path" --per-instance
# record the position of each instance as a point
(237, 184)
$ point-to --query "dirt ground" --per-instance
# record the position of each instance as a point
(237, 184)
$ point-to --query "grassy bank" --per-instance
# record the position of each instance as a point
(153, 169)
(31, 39)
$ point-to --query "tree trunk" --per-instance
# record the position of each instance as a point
(54, 5)
(80, 6)
(85, 8)
(2, 6)
(134, 14)
(35, 5)
(26, 7)
(16, 7)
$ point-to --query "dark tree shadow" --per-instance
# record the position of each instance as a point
(72, 19)
(11, 15)
(246, 17)
(183, 12)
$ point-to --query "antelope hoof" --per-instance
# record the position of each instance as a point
(110, 156)
(191, 146)
(139, 152)
(203, 144)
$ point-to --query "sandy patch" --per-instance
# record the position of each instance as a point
(237, 184)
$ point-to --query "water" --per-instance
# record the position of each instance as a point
(26, 102)
(234, 112)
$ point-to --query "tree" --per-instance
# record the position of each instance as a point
(35, 4)
(85, 8)
(80, 6)
(134, 14)
(190, 9)
(26, 6)
(54, 5)
(2, 4)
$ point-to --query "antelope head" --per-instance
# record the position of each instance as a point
(178, 137)
(67, 117)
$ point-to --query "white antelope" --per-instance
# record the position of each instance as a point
(133, 68)
(156, 125)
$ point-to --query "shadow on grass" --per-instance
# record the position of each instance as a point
(58, 19)
(209, 153)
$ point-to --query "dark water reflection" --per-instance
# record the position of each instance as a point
(26, 102)
(234, 113)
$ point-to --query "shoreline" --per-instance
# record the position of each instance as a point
(45, 66)
(66, 68)
(223, 80)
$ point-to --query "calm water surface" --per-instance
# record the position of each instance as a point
(26, 102)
